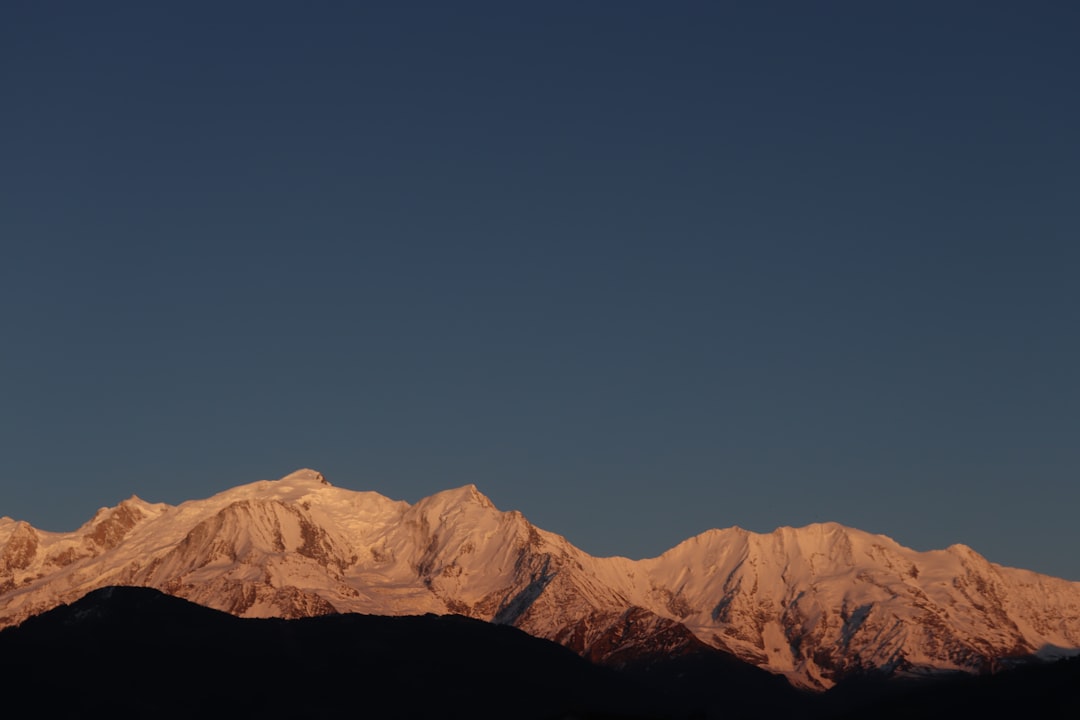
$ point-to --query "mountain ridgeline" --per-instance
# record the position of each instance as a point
(820, 605)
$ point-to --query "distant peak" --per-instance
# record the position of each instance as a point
(305, 475)
(473, 493)
(815, 528)
(464, 494)
(963, 551)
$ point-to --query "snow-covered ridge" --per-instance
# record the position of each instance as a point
(815, 603)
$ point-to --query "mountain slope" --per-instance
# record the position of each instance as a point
(817, 604)
(130, 652)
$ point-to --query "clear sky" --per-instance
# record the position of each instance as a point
(635, 269)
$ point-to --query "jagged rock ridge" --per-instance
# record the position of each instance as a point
(817, 604)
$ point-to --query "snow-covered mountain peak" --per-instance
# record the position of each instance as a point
(961, 550)
(145, 507)
(816, 528)
(305, 476)
(464, 495)
(713, 537)
(291, 488)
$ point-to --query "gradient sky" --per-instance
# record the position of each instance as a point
(634, 269)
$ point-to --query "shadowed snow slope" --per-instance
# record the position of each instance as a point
(817, 604)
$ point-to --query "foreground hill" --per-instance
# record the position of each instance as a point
(134, 652)
(817, 604)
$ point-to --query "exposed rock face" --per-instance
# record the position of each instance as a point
(817, 604)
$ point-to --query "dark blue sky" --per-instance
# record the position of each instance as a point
(635, 269)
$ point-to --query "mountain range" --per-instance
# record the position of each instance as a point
(819, 604)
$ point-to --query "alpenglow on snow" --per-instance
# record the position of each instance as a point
(815, 604)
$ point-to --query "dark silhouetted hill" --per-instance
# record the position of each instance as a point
(135, 652)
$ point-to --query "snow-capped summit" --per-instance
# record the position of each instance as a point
(304, 475)
(456, 497)
(817, 603)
